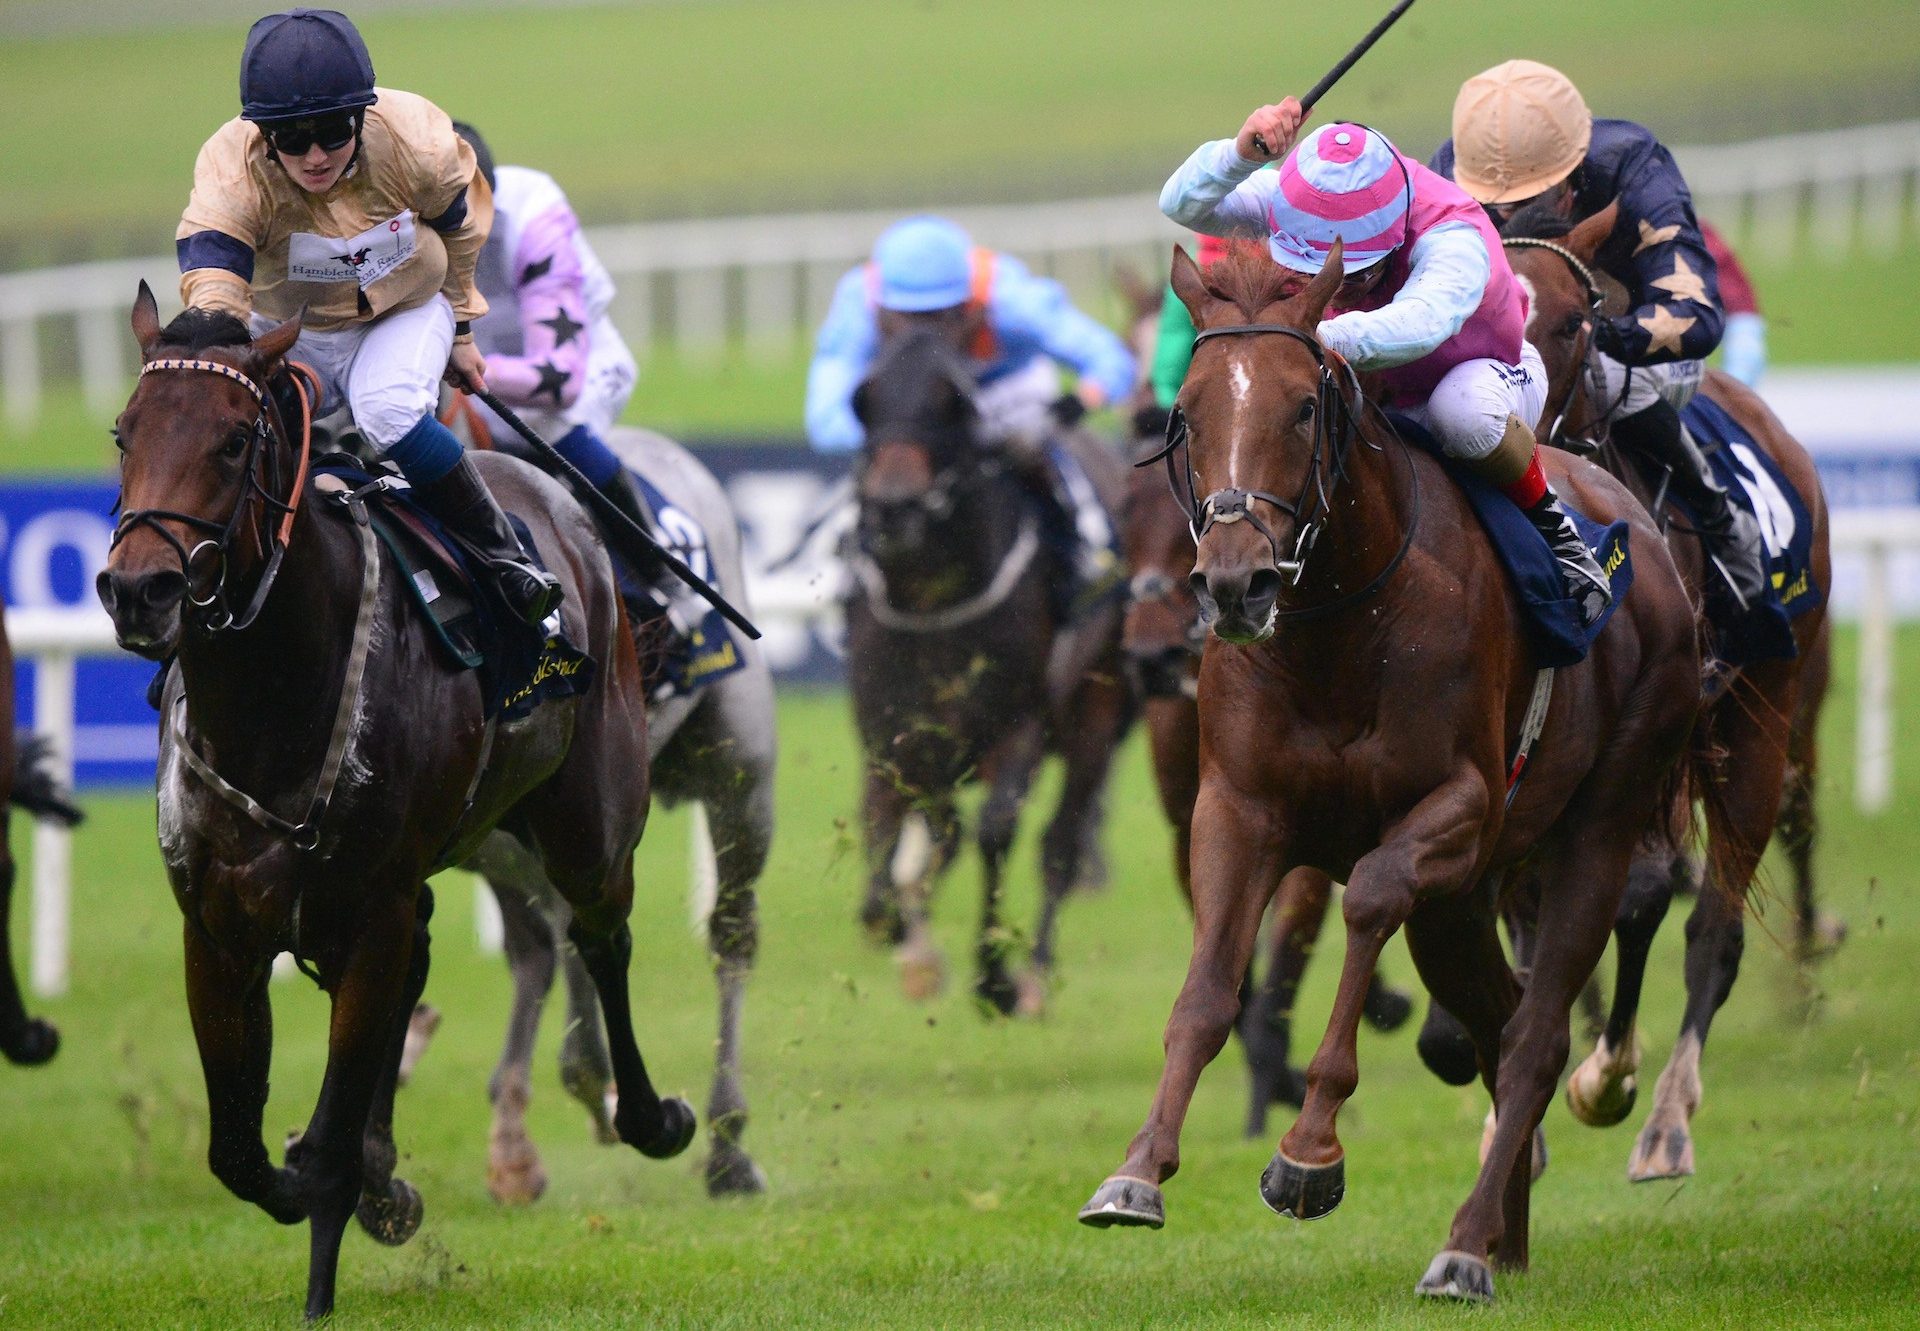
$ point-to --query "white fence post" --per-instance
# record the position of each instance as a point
(1873, 726)
(52, 843)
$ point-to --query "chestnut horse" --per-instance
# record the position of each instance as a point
(306, 680)
(1763, 717)
(959, 668)
(1359, 711)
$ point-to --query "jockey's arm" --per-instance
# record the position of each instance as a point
(1220, 193)
(555, 324)
(451, 196)
(220, 228)
(1039, 308)
(1447, 280)
(842, 355)
(1675, 281)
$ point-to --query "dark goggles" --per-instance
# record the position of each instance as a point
(292, 138)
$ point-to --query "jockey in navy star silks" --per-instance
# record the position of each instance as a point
(361, 207)
(1023, 328)
(1523, 137)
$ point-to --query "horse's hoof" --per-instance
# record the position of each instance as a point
(1446, 1048)
(732, 1173)
(603, 1130)
(1459, 1276)
(1032, 995)
(1303, 1192)
(996, 993)
(1661, 1152)
(515, 1176)
(420, 1028)
(1131, 1202)
(33, 1044)
(1595, 1097)
(1829, 931)
(923, 970)
(882, 923)
(1386, 1008)
(677, 1126)
(394, 1216)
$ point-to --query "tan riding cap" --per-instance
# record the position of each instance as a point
(1518, 129)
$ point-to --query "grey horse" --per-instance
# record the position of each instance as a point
(714, 749)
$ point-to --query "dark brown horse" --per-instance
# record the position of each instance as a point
(1359, 711)
(25, 783)
(318, 762)
(1763, 718)
(960, 669)
(1162, 638)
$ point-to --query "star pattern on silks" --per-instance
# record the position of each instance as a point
(1683, 283)
(534, 271)
(553, 379)
(1651, 235)
(565, 329)
(1665, 329)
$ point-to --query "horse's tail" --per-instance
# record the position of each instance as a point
(34, 788)
(1701, 811)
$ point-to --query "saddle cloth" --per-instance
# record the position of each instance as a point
(695, 644)
(520, 665)
(1755, 482)
(1552, 617)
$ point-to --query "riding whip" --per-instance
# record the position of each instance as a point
(631, 533)
(1347, 62)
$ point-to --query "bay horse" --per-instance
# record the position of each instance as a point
(318, 762)
(1162, 638)
(959, 668)
(1361, 703)
(1764, 717)
(26, 784)
(713, 748)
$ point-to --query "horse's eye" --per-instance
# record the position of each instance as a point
(235, 444)
(1305, 415)
(1571, 325)
(119, 441)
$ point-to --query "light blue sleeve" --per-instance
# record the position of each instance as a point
(1447, 280)
(1037, 309)
(1220, 193)
(841, 356)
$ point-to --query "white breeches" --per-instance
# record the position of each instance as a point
(387, 372)
(1631, 390)
(1016, 405)
(1469, 408)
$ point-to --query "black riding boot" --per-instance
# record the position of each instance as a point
(1585, 580)
(461, 500)
(1732, 535)
(1091, 568)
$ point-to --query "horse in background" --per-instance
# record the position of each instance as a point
(25, 784)
(961, 668)
(1764, 717)
(319, 760)
(1327, 742)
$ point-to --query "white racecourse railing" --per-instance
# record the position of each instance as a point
(762, 283)
(54, 639)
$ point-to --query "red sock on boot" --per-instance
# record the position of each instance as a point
(1531, 488)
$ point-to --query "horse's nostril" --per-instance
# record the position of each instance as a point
(104, 589)
(1263, 589)
(161, 591)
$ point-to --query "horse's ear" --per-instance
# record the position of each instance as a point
(146, 317)
(272, 345)
(1188, 284)
(1311, 303)
(1586, 239)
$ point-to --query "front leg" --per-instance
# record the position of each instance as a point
(1237, 854)
(390, 1208)
(1433, 850)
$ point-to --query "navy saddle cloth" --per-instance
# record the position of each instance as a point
(1756, 483)
(696, 645)
(520, 665)
(1552, 617)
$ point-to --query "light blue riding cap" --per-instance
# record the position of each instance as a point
(923, 263)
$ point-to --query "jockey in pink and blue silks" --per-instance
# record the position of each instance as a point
(1429, 303)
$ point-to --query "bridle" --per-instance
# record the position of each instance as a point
(1336, 426)
(1600, 428)
(216, 613)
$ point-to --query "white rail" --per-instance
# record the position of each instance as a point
(54, 639)
(762, 283)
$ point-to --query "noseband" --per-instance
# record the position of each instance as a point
(1599, 430)
(216, 614)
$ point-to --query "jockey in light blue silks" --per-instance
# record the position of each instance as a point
(1023, 328)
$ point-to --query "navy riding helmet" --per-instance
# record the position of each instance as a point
(303, 63)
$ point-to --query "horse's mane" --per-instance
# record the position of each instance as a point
(195, 329)
(1536, 221)
(1248, 277)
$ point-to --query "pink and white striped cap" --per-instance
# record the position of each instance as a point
(1341, 182)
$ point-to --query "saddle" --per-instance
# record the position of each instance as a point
(520, 666)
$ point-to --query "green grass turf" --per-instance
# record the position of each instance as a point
(926, 1164)
(755, 105)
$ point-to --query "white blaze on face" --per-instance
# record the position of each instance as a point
(1240, 388)
(1533, 305)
